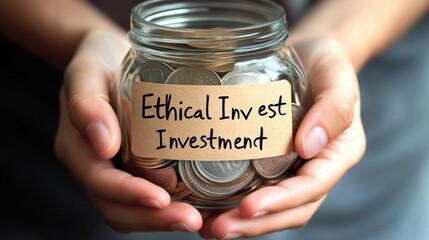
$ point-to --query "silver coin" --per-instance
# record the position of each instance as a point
(251, 187)
(222, 171)
(222, 191)
(211, 190)
(221, 67)
(193, 76)
(154, 72)
(211, 45)
(274, 166)
(241, 77)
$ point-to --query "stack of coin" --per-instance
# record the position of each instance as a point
(274, 166)
(214, 184)
(215, 180)
(152, 163)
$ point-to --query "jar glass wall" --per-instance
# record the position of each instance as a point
(213, 44)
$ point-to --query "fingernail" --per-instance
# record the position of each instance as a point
(98, 135)
(230, 236)
(150, 203)
(259, 214)
(314, 141)
(180, 227)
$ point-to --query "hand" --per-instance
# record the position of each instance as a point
(89, 135)
(331, 134)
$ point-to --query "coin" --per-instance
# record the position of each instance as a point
(250, 187)
(181, 191)
(240, 77)
(222, 171)
(206, 189)
(154, 72)
(193, 76)
(274, 166)
(221, 67)
(152, 163)
(211, 45)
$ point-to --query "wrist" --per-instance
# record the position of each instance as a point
(356, 55)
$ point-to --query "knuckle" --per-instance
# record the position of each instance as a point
(319, 196)
(343, 112)
(85, 103)
(320, 190)
(77, 103)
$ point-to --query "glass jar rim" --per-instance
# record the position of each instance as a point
(140, 14)
(248, 24)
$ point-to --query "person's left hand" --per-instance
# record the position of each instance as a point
(331, 136)
(89, 136)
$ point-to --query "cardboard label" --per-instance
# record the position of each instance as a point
(213, 123)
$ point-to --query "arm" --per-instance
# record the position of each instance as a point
(334, 40)
(51, 29)
(362, 28)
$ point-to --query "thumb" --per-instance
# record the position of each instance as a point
(87, 90)
(335, 92)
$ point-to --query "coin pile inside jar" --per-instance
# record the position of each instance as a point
(213, 184)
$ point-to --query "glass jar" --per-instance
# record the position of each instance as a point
(209, 99)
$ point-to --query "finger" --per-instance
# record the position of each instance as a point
(87, 88)
(334, 88)
(128, 218)
(99, 177)
(289, 194)
(115, 185)
(88, 80)
(313, 180)
(232, 225)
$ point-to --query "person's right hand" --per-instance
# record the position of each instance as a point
(89, 136)
(331, 137)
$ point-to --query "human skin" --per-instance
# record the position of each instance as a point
(90, 47)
